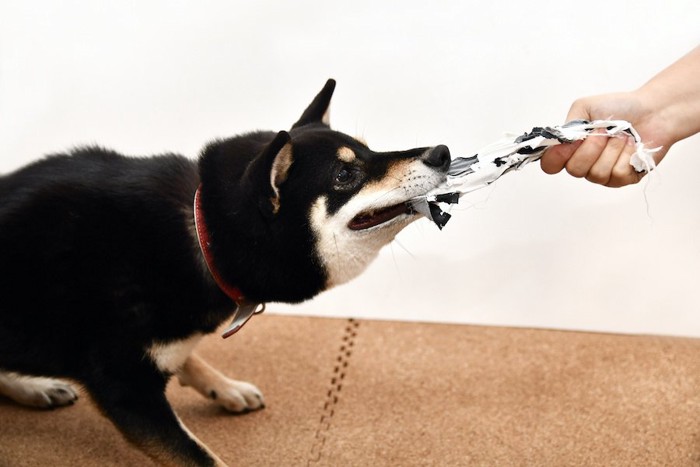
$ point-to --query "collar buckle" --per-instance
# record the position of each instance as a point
(244, 311)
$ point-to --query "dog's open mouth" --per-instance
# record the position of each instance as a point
(368, 219)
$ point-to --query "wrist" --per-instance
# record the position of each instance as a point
(664, 112)
(674, 95)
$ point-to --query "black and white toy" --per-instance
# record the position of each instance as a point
(467, 174)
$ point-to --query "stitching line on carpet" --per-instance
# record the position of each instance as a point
(333, 394)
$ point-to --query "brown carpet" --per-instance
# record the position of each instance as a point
(355, 393)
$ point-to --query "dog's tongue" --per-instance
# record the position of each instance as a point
(370, 219)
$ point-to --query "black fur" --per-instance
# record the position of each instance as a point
(99, 261)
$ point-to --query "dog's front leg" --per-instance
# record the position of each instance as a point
(234, 396)
(134, 399)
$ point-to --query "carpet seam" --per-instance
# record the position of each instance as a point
(342, 361)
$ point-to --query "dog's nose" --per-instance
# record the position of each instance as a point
(438, 157)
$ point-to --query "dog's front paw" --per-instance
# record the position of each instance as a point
(46, 393)
(236, 396)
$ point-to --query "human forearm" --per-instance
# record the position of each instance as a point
(664, 110)
(674, 94)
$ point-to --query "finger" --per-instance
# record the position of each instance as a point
(623, 173)
(601, 171)
(587, 154)
(556, 157)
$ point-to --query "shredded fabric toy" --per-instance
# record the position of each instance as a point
(467, 174)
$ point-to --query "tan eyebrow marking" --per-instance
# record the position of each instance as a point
(361, 140)
(346, 154)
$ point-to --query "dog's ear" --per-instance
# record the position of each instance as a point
(270, 169)
(280, 166)
(319, 109)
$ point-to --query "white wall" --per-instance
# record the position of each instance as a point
(533, 250)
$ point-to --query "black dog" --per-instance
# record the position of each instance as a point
(110, 274)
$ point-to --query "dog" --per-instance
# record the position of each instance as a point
(111, 274)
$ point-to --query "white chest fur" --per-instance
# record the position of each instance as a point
(170, 356)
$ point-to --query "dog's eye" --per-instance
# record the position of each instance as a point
(345, 176)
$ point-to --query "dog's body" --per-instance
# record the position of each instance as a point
(104, 281)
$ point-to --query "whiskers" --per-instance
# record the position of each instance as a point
(381, 196)
(335, 241)
(393, 257)
(396, 241)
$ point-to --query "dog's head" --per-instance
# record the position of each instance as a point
(294, 213)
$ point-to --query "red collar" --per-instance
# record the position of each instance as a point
(234, 293)
(244, 309)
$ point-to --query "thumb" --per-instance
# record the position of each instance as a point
(579, 111)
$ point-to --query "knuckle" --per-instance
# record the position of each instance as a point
(618, 142)
(623, 177)
(575, 170)
(614, 183)
(621, 172)
(597, 143)
(598, 176)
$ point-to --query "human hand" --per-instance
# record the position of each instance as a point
(605, 160)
